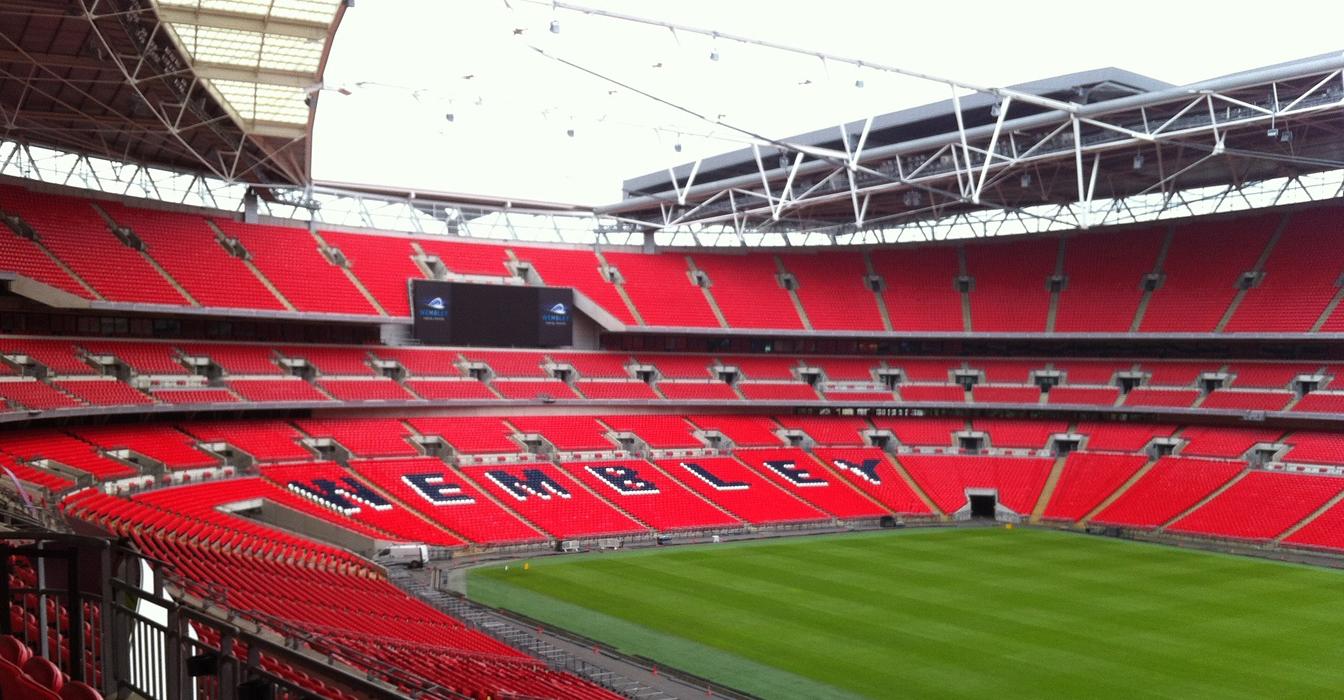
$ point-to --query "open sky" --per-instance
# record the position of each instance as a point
(409, 64)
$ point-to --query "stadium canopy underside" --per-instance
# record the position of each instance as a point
(1068, 149)
(223, 89)
(84, 104)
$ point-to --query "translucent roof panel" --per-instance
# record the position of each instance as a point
(258, 55)
(250, 49)
(317, 11)
(256, 102)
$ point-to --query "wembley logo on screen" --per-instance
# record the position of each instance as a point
(559, 309)
(435, 303)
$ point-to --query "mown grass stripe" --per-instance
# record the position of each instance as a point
(952, 613)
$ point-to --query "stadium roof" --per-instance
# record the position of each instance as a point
(1065, 142)
(222, 88)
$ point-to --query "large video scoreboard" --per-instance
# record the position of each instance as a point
(461, 313)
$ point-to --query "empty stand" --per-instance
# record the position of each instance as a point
(142, 357)
(552, 501)
(1260, 506)
(1317, 402)
(422, 362)
(921, 292)
(580, 270)
(623, 390)
(932, 393)
(1157, 396)
(1172, 486)
(844, 369)
(1300, 277)
(1266, 375)
(383, 264)
(762, 367)
(266, 390)
(934, 432)
(186, 247)
(798, 473)
(925, 370)
(329, 360)
(1176, 373)
(194, 396)
(1202, 267)
(102, 391)
(533, 389)
(1315, 447)
(332, 487)
(592, 365)
(472, 259)
(1010, 292)
(364, 389)
(740, 490)
(872, 471)
(1121, 437)
(567, 433)
(642, 490)
(236, 359)
(1002, 394)
(290, 259)
(510, 364)
(1095, 396)
(27, 258)
(660, 287)
(74, 232)
(680, 366)
(450, 389)
(175, 449)
(469, 434)
(364, 437)
(447, 498)
(1087, 479)
(1229, 443)
(59, 356)
(829, 430)
(833, 292)
(36, 396)
(791, 391)
(1247, 400)
(701, 391)
(1017, 481)
(48, 444)
(744, 431)
(1325, 531)
(1103, 273)
(264, 440)
(1006, 371)
(748, 291)
(1008, 432)
(1091, 371)
(658, 431)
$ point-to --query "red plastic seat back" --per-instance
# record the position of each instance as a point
(13, 650)
(44, 672)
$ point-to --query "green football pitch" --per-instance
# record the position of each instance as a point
(968, 612)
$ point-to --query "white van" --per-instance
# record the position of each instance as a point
(412, 556)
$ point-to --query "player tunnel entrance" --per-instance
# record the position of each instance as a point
(983, 504)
